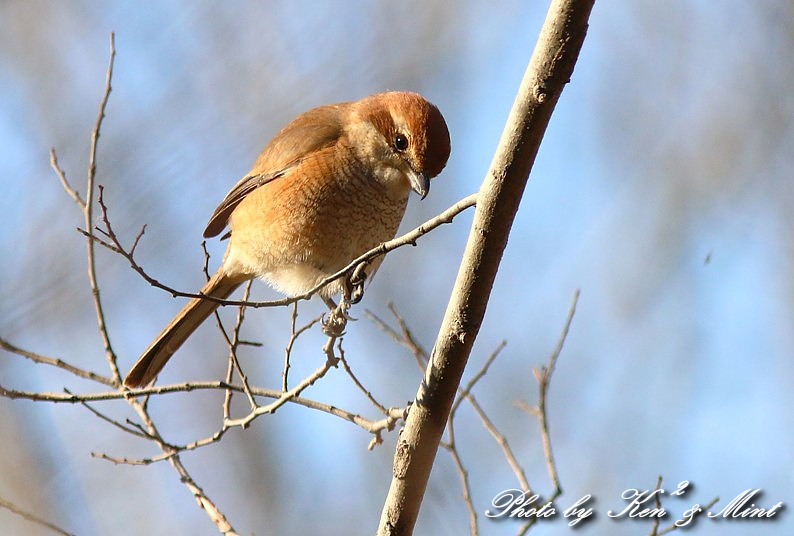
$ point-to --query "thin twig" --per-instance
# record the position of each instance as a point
(11, 507)
(227, 396)
(205, 503)
(418, 351)
(499, 437)
(288, 348)
(451, 447)
(55, 362)
(502, 441)
(464, 392)
(147, 429)
(330, 362)
(172, 450)
(394, 414)
(110, 355)
(367, 393)
(656, 520)
(706, 507)
(64, 182)
(404, 338)
(404, 240)
(294, 334)
(235, 343)
(544, 379)
(98, 240)
(136, 431)
(658, 499)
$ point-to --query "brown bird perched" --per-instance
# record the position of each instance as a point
(332, 185)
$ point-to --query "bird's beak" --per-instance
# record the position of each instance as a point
(419, 183)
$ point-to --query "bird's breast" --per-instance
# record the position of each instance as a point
(308, 224)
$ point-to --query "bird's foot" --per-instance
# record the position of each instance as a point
(334, 324)
(353, 289)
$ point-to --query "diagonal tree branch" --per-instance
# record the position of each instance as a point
(55, 362)
(11, 507)
(550, 68)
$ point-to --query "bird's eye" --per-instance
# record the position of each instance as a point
(400, 142)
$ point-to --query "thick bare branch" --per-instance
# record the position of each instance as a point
(406, 338)
(550, 68)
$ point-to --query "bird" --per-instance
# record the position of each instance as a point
(331, 185)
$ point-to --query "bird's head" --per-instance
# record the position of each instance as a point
(402, 136)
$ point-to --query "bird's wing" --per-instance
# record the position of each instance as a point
(309, 132)
(246, 185)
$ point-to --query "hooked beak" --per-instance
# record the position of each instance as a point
(419, 183)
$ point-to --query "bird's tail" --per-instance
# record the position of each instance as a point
(179, 329)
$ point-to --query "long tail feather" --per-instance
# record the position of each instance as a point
(178, 330)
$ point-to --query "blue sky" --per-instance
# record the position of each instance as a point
(662, 190)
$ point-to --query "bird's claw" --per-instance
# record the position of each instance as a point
(334, 324)
(354, 287)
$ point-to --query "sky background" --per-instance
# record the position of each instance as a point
(662, 190)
